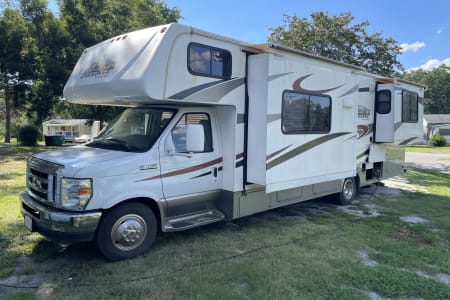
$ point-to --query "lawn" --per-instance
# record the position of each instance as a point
(392, 243)
(428, 149)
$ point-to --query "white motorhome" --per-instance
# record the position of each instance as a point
(215, 129)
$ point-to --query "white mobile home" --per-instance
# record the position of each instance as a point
(436, 123)
(76, 127)
(216, 129)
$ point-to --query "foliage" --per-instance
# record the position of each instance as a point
(336, 38)
(437, 94)
(17, 60)
(89, 22)
(28, 135)
(437, 140)
(39, 50)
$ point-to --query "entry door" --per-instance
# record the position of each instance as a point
(385, 114)
(191, 181)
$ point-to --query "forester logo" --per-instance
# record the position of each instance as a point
(363, 112)
(98, 70)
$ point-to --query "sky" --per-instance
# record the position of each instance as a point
(421, 27)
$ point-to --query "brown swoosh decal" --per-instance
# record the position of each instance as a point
(408, 140)
(363, 130)
(303, 148)
(186, 170)
(297, 87)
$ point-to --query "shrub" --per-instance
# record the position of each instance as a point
(437, 140)
(28, 135)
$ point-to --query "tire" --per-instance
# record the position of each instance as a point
(126, 231)
(348, 191)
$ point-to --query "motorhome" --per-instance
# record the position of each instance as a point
(215, 129)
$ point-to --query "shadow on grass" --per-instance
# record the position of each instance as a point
(11, 175)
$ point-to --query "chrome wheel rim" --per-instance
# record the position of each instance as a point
(129, 232)
(348, 189)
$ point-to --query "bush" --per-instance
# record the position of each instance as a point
(437, 140)
(28, 135)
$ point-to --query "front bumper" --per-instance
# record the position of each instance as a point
(59, 225)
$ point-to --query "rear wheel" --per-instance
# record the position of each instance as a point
(126, 231)
(348, 191)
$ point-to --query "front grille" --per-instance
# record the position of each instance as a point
(41, 181)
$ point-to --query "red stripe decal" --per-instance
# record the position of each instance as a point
(240, 155)
(186, 170)
(276, 152)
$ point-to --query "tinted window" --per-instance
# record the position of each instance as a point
(209, 61)
(302, 113)
(384, 102)
(410, 104)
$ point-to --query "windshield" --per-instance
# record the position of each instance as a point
(135, 130)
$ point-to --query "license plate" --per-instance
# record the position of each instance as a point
(28, 223)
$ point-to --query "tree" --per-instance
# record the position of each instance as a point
(38, 50)
(437, 94)
(17, 60)
(336, 38)
(49, 72)
(88, 22)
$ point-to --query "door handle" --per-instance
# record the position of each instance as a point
(215, 171)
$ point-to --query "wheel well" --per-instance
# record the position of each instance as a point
(148, 202)
(357, 180)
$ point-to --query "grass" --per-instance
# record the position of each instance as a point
(428, 149)
(311, 250)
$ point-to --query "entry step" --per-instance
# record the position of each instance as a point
(193, 220)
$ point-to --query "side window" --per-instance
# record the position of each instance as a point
(383, 102)
(303, 113)
(410, 106)
(209, 61)
(179, 131)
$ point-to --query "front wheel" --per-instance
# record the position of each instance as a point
(126, 231)
(348, 191)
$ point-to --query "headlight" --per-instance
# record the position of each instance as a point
(75, 193)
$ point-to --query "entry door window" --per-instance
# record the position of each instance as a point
(179, 131)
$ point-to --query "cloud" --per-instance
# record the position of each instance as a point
(414, 47)
(440, 30)
(432, 64)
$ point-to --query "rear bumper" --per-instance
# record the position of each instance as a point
(59, 225)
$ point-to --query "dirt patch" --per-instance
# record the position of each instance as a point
(374, 296)
(368, 262)
(400, 184)
(361, 209)
(413, 219)
(444, 278)
(24, 277)
(364, 255)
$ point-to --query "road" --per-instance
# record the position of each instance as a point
(430, 161)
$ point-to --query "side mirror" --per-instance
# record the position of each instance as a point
(195, 138)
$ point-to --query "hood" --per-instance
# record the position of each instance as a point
(78, 157)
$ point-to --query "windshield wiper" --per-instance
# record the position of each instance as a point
(122, 143)
(111, 143)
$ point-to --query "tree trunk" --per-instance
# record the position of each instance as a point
(7, 116)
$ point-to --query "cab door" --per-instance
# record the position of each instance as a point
(191, 180)
(384, 114)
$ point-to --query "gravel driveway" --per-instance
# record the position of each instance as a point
(430, 161)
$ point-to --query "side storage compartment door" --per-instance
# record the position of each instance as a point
(384, 114)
